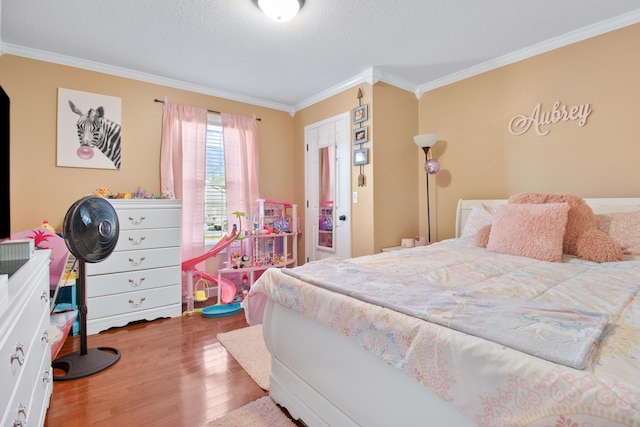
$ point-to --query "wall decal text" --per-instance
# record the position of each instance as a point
(520, 124)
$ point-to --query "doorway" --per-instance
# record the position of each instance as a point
(327, 188)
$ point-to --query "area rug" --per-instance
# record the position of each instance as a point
(260, 413)
(247, 346)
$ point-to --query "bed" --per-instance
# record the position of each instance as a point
(356, 356)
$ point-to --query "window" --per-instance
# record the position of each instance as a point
(215, 198)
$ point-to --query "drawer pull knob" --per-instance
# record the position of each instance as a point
(45, 336)
(46, 378)
(136, 263)
(22, 413)
(136, 242)
(134, 305)
(18, 357)
(44, 297)
(138, 221)
(136, 284)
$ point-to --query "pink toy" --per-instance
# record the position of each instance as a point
(226, 288)
(45, 239)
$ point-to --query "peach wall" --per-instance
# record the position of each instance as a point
(361, 212)
(481, 159)
(394, 153)
(41, 190)
(387, 207)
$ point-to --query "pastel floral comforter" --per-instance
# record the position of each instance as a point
(492, 382)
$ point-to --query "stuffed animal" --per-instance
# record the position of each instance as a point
(582, 237)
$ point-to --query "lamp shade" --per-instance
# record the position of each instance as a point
(280, 10)
(425, 140)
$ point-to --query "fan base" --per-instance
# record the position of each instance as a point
(78, 365)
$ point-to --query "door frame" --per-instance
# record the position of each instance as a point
(342, 235)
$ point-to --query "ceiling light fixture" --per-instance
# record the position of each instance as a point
(280, 10)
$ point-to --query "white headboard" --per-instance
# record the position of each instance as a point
(599, 205)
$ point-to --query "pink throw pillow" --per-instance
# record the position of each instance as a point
(529, 230)
(623, 228)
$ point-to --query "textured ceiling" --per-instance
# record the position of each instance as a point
(229, 48)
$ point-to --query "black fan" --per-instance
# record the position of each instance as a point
(91, 231)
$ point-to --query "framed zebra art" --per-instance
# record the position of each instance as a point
(89, 130)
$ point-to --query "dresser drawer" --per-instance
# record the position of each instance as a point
(108, 284)
(22, 350)
(16, 347)
(136, 260)
(136, 219)
(40, 348)
(129, 302)
(42, 387)
(19, 407)
(130, 240)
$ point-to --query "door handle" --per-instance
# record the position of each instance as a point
(342, 217)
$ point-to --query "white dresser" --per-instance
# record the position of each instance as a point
(25, 353)
(141, 279)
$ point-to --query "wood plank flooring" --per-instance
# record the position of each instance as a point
(172, 372)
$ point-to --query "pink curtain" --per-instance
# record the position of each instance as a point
(240, 165)
(327, 174)
(183, 167)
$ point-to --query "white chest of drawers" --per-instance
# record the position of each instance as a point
(25, 352)
(141, 279)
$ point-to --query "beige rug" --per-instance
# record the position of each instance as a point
(247, 346)
(260, 413)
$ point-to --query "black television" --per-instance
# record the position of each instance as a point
(5, 205)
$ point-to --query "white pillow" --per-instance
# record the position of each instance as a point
(623, 228)
(480, 216)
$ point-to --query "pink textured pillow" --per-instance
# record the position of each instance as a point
(529, 230)
(623, 228)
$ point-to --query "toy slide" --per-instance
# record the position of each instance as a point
(225, 241)
(226, 288)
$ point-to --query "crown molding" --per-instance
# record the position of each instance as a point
(367, 76)
(136, 75)
(371, 75)
(537, 49)
(399, 82)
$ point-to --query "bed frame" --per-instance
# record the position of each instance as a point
(324, 379)
(598, 205)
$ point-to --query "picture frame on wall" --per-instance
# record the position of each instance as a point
(361, 156)
(360, 114)
(100, 149)
(360, 135)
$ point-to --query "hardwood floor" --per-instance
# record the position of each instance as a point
(172, 372)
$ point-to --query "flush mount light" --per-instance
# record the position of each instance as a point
(280, 10)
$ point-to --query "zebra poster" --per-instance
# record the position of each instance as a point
(89, 130)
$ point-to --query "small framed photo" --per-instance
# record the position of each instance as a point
(361, 157)
(360, 135)
(360, 114)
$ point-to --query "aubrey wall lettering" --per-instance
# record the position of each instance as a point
(521, 123)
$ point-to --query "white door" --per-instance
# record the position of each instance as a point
(327, 188)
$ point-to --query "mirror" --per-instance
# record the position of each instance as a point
(326, 192)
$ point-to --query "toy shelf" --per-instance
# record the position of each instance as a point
(271, 243)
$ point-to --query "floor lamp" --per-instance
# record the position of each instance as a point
(431, 167)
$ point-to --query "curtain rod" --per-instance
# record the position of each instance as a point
(210, 111)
